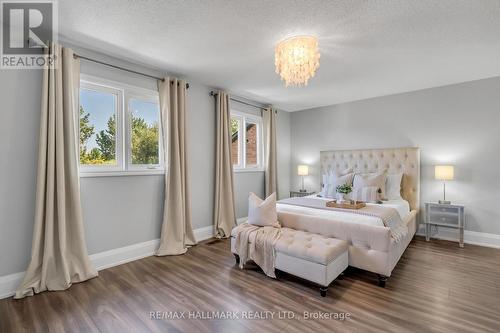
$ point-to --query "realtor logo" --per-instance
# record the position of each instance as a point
(28, 27)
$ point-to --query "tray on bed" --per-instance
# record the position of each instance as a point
(347, 205)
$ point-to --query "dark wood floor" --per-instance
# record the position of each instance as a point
(436, 287)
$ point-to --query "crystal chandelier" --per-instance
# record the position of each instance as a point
(297, 59)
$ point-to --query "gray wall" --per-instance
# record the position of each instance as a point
(20, 93)
(283, 141)
(245, 182)
(118, 211)
(457, 124)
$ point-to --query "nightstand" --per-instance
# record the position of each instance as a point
(445, 215)
(299, 194)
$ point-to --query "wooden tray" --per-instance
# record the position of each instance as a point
(352, 205)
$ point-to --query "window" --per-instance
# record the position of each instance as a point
(119, 129)
(235, 141)
(246, 142)
(144, 132)
(98, 114)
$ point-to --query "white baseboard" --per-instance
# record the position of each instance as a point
(106, 259)
(470, 237)
(122, 255)
(204, 233)
(9, 283)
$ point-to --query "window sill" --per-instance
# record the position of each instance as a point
(248, 170)
(122, 173)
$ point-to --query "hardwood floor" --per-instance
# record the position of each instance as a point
(436, 287)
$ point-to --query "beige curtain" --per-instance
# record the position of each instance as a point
(224, 214)
(269, 118)
(58, 253)
(176, 232)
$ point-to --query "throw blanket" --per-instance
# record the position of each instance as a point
(389, 216)
(261, 250)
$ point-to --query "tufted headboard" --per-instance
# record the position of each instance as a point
(394, 160)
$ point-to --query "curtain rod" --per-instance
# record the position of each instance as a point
(212, 93)
(121, 68)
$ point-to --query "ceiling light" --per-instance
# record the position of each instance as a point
(297, 59)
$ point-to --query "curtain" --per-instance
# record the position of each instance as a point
(224, 214)
(269, 119)
(176, 232)
(58, 253)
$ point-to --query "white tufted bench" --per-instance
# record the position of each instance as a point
(313, 257)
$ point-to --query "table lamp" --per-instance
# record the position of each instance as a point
(444, 173)
(303, 170)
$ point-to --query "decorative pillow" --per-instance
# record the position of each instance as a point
(393, 186)
(323, 186)
(366, 194)
(330, 181)
(371, 179)
(262, 212)
(331, 188)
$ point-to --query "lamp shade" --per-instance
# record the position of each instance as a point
(303, 170)
(444, 172)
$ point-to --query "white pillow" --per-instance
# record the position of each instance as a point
(393, 186)
(328, 178)
(334, 181)
(325, 186)
(262, 212)
(371, 179)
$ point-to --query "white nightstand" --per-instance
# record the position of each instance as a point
(445, 215)
(300, 193)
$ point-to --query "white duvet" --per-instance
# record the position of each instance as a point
(400, 205)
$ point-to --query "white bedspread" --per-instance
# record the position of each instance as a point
(401, 206)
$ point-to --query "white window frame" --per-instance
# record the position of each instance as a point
(87, 168)
(244, 119)
(124, 93)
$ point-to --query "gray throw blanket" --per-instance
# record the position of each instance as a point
(389, 216)
(261, 249)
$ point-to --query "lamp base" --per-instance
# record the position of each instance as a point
(444, 202)
(303, 191)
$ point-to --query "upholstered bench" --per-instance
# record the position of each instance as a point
(309, 256)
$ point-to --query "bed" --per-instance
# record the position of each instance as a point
(371, 245)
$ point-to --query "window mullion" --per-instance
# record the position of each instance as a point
(125, 132)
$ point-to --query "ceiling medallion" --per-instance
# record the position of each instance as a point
(297, 59)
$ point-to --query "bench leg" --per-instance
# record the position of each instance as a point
(322, 291)
(382, 280)
(237, 258)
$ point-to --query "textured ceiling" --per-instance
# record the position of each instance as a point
(368, 48)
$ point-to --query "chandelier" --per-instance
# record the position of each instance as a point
(297, 59)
